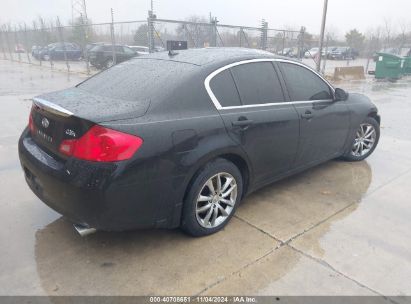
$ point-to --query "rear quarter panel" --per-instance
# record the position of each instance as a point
(181, 133)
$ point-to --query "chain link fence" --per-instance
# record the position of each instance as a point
(68, 47)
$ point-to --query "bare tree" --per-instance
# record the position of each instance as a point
(388, 31)
(197, 35)
(404, 32)
(373, 41)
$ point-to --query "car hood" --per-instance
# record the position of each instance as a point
(92, 107)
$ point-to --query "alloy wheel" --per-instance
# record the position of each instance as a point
(216, 200)
(364, 140)
(109, 63)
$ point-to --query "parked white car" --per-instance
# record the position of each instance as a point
(140, 50)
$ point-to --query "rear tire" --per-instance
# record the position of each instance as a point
(212, 198)
(365, 141)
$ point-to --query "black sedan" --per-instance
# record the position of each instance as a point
(169, 140)
(101, 56)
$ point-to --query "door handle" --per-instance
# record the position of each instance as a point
(307, 115)
(242, 122)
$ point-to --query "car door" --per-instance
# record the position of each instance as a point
(72, 51)
(67, 48)
(120, 56)
(250, 100)
(324, 123)
(56, 53)
(107, 54)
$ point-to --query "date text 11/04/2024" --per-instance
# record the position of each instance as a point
(203, 299)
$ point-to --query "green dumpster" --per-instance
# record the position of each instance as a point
(389, 66)
(406, 70)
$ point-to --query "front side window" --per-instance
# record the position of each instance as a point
(257, 83)
(303, 84)
(224, 89)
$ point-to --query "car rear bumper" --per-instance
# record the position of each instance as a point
(99, 195)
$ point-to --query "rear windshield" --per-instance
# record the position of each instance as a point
(138, 79)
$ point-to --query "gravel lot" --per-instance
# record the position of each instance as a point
(338, 229)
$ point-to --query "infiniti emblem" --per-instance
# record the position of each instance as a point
(45, 122)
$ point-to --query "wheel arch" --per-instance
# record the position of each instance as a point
(242, 165)
(375, 115)
(238, 159)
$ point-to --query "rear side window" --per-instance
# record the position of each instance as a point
(257, 83)
(303, 84)
(224, 89)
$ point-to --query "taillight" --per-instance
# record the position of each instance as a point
(31, 122)
(102, 145)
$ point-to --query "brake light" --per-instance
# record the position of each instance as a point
(102, 145)
(31, 122)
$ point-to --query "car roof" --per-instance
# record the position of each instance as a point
(109, 44)
(208, 56)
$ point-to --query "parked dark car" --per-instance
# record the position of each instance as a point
(101, 56)
(35, 51)
(89, 46)
(343, 53)
(285, 52)
(168, 140)
(58, 51)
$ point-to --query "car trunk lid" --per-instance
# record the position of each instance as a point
(70, 113)
(95, 108)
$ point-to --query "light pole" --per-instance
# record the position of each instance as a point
(322, 35)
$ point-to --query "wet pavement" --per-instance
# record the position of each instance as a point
(337, 229)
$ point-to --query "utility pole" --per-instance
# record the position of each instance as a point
(322, 35)
(113, 38)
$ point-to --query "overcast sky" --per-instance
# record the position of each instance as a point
(342, 14)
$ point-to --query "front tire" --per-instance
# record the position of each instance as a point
(212, 198)
(365, 140)
(109, 63)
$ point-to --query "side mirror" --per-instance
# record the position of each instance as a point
(340, 95)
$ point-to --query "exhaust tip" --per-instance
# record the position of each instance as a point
(84, 230)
